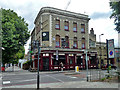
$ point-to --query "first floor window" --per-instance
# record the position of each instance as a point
(66, 42)
(83, 43)
(75, 42)
(57, 41)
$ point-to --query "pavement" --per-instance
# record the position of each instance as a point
(73, 84)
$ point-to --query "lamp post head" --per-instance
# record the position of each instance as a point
(102, 34)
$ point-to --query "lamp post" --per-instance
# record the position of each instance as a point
(100, 48)
(100, 55)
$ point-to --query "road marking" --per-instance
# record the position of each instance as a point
(55, 78)
(6, 82)
(5, 74)
(25, 80)
(71, 77)
(90, 75)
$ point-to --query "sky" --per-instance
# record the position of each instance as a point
(98, 10)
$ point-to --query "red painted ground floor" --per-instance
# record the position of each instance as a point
(51, 59)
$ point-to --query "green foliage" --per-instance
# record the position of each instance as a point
(14, 35)
(103, 79)
(115, 6)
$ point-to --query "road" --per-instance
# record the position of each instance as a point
(23, 77)
(27, 78)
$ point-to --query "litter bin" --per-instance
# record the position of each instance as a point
(76, 69)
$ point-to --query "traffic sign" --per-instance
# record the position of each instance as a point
(110, 47)
(111, 53)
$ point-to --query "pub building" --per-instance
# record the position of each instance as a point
(63, 37)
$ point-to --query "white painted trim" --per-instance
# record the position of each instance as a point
(50, 32)
(41, 32)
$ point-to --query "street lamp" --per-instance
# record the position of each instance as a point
(100, 48)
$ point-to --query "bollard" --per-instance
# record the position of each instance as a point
(76, 69)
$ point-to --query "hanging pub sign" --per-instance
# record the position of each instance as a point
(111, 51)
(45, 36)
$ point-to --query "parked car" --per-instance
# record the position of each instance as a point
(104, 67)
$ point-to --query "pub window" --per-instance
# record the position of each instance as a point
(57, 24)
(66, 42)
(75, 45)
(71, 61)
(66, 25)
(57, 41)
(63, 42)
(83, 43)
(82, 28)
(75, 27)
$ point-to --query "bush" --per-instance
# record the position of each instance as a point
(103, 79)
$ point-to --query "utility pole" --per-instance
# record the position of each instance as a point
(87, 65)
(107, 55)
(37, 43)
(38, 65)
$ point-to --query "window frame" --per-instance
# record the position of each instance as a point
(66, 42)
(83, 26)
(66, 22)
(74, 23)
(57, 24)
(83, 42)
(58, 41)
(75, 41)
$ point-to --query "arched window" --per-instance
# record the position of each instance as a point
(66, 42)
(57, 41)
(83, 43)
(75, 45)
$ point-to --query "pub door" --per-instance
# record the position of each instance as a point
(45, 63)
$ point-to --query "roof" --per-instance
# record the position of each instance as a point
(61, 12)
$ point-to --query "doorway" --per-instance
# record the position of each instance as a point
(45, 63)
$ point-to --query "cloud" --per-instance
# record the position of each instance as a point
(100, 15)
(98, 10)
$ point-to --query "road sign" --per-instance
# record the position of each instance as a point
(110, 51)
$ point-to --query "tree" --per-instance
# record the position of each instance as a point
(14, 35)
(115, 6)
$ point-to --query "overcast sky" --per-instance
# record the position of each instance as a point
(98, 10)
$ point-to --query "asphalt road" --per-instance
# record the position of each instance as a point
(31, 78)
(24, 77)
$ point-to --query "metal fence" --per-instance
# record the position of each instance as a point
(94, 75)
